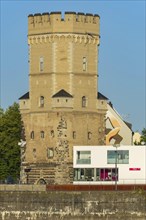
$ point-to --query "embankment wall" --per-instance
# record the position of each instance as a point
(36, 203)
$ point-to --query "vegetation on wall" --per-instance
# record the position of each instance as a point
(10, 134)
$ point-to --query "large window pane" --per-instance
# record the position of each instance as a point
(96, 174)
(84, 174)
(83, 157)
(89, 174)
(119, 157)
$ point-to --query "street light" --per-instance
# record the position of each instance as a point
(27, 170)
(116, 161)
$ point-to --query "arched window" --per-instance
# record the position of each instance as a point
(42, 134)
(84, 101)
(32, 135)
(41, 101)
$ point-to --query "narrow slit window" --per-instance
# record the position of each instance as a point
(84, 64)
(41, 101)
(84, 101)
(32, 135)
(41, 64)
(74, 134)
(89, 135)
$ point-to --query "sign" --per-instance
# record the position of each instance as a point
(134, 169)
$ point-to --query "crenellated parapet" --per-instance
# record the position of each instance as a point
(71, 23)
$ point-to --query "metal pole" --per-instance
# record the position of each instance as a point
(116, 169)
(116, 161)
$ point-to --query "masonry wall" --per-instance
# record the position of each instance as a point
(41, 205)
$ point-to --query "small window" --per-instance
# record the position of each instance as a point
(41, 101)
(74, 134)
(32, 135)
(84, 101)
(42, 134)
(34, 152)
(50, 152)
(89, 135)
(41, 64)
(84, 64)
(52, 133)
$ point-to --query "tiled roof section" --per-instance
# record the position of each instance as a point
(62, 93)
(25, 96)
(101, 96)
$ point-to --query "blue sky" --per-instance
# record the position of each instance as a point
(122, 52)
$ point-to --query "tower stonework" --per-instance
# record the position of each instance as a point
(62, 108)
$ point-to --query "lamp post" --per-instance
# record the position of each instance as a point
(116, 161)
(27, 170)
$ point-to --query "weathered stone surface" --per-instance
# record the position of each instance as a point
(65, 58)
(72, 205)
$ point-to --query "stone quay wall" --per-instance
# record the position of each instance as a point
(30, 202)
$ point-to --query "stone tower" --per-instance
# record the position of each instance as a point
(62, 108)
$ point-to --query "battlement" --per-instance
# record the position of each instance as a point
(71, 23)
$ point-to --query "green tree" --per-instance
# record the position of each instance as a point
(143, 136)
(1, 112)
(10, 134)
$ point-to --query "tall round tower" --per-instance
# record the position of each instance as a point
(62, 108)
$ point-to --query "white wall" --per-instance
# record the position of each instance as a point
(125, 132)
(137, 159)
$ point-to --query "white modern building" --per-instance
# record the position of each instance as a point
(109, 165)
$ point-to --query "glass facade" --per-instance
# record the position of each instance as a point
(96, 174)
(83, 157)
(119, 157)
(84, 174)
